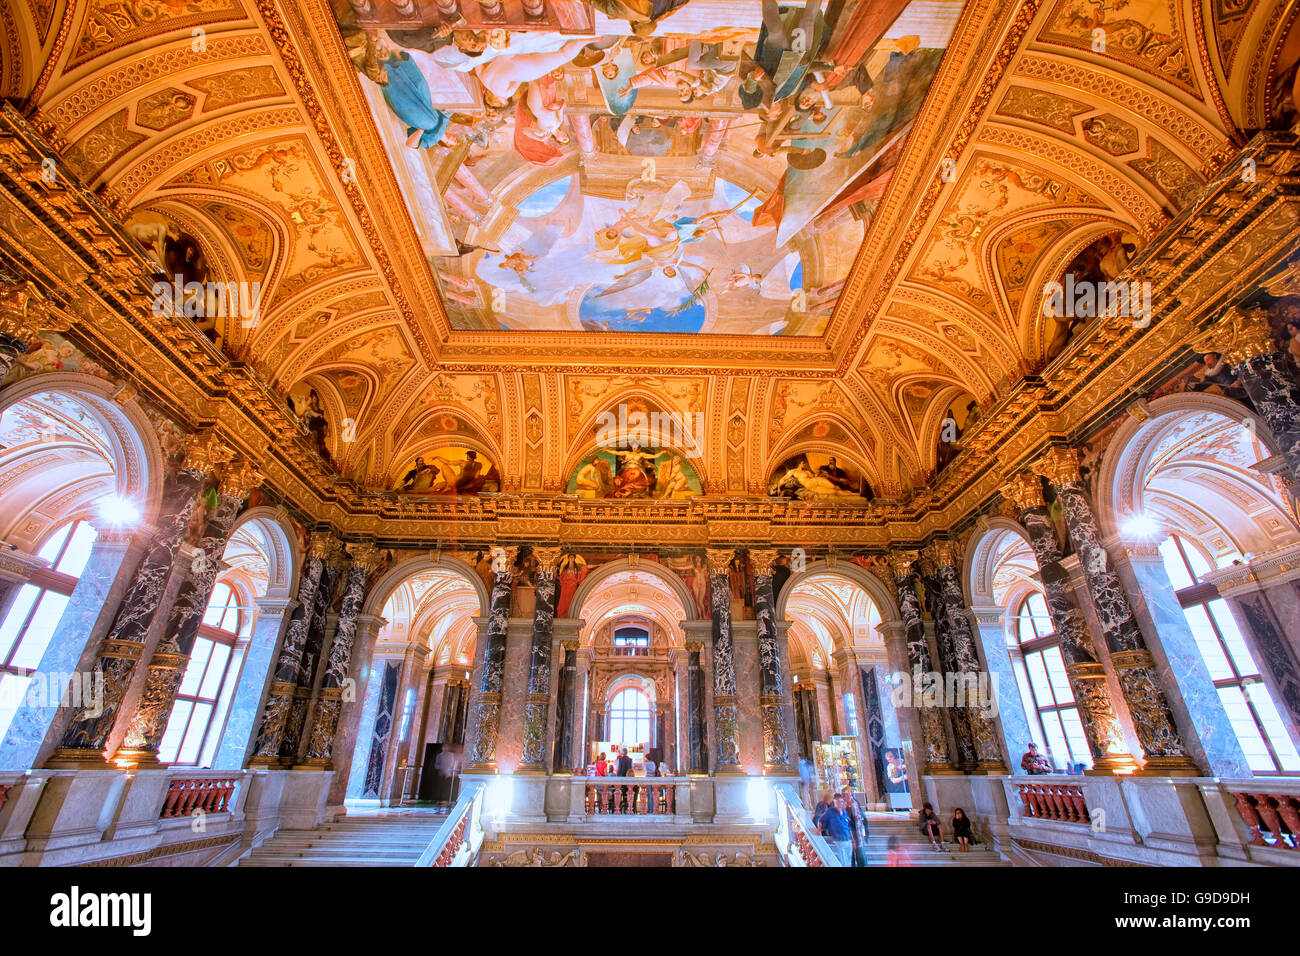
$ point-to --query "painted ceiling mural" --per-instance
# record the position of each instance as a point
(609, 177)
(821, 227)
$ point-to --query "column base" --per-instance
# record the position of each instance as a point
(72, 758)
(314, 763)
(489, 767)
(1170, 767)
(1113, 766)
(944, 769)
(781, 770)
(531, 768)
(995, 768)
(137, 760)
(729, 770)
(266, 763)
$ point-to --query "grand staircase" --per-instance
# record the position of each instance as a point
(916, 848)
(394, 839)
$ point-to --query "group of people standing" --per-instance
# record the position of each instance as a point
(841, 820)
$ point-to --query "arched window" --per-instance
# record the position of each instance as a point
(193, 730)
(36, 609)
(632, 641)
(629, 717)
(1250, 708)
(1044, 686)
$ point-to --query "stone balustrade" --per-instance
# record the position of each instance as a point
(1054, 800)
(457, 842)
(643, 796)
(1272, 818)
(187, 795)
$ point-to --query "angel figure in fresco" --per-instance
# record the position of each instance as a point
(521, 263)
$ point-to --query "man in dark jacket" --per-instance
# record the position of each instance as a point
(624, 769)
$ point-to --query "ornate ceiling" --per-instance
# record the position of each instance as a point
(246, 125)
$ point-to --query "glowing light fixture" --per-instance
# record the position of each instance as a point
(119, 511)
(1141, 526)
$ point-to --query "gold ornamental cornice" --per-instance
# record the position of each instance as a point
(1241, 334)
(1060, 466)
(1024, 491)
(719, 560)
(24, 311)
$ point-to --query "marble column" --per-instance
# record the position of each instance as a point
(87, 735)
(933, 734)
(725, 713)
(167, 666)
(696, 729)
(487, 707)
(911, 735)
(279, 700)
(533, 756)
(320, 635)
(1180, 666)
(1244, 338)
(351, 717)
(566, 711)
(273, 613)
(1085, 672)
(325, 719)
(774, 698)
(966, 663)
(1163, 749)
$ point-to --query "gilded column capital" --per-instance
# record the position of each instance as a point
(365, 556)
(503, 559)
(320, 545)
(205, 452)
(1239, 335)
(1059, 466)
(763, 560)
(719, 560)
(239, 479)
(548, 559)
(900, 562)
(694, 647)
(569, 645)
(1024, 491)
(943, 552)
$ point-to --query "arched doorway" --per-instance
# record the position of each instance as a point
(415, 699)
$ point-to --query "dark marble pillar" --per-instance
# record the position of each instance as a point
(87, 735)
(725, 714)
(774, 702)
(167, 666)
(319, 636)
(1085, 672)
(1163, 748)
(565, 710)
(933, 732)
(487, 707)
(325, 719)
(284, 681)
(695, 722)
(1244, 338)
(962, 660)
(801, 724)
(532, 758)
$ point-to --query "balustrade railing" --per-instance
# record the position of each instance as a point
(188, 795)
(458, 840)
(1272, 818)
(1054, 800)
(797, 841)
(643, 796)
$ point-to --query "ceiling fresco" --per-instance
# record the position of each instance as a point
(671, 175)
(820, 230)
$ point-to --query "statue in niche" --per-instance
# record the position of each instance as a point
(305, 403)
(572, 569)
